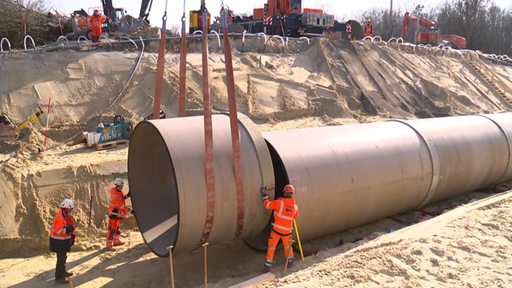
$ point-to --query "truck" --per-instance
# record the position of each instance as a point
(278, 17)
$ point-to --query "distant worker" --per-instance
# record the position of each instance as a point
(62, 237)
(368, 30)
(96, 21)
(285, 211)
(117, 210)
(348, 29)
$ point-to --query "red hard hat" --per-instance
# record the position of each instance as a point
(289, 189)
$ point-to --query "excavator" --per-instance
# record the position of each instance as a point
(9, 130)
(278, 17)
(430, 33)
(115, 14)
(117, 18)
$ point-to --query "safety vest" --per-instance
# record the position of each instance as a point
(285, 210)
(60, 222)
(96, 24)
(368, 30)
(117, 201)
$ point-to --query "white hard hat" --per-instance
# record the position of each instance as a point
(119, 182)
(67, 203)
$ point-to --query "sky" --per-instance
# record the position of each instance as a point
(342, 9)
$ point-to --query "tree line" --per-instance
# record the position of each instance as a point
(486, 27)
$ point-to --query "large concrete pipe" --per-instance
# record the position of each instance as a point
(167, 181)
(344, 176)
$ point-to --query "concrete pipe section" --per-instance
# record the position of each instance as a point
(344, 176)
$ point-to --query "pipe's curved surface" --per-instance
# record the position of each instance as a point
(344, 176)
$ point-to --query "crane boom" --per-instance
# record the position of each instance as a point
(108, 8)
(145, 8)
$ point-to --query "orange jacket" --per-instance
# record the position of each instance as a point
(117, 201)
(60, 222)
(368, 30)
(285, 210)
(96, 23)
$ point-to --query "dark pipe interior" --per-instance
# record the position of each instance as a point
(281, 179)
(159, 190)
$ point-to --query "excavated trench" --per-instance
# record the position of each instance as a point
(30, 197)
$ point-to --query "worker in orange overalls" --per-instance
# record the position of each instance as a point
(285, 211)
(117, 210)
(96, 21)
(368, 30)
(62, 237)
(348, 29)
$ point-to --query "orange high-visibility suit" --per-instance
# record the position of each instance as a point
(285, 210)
(96, 22)
(117, 210)
(368, 30)
(62, 237)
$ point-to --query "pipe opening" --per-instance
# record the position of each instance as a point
(156, 200)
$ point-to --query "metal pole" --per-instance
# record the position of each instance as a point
(183, 67)
(90, 211)
(205, 246)
(47, 120)
(170, 265)
(298, 239)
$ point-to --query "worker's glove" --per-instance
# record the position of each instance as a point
(128, 195)
(69, 228)
(263, 192)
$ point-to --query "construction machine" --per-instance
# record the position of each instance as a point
(10, 130)
(108, 135)
(427, 32)
(277, 17)
(116, 14)
(118, 21)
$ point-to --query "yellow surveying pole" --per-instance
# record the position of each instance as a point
(298, 240)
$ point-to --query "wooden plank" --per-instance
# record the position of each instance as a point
(263, 278)
(111, 144)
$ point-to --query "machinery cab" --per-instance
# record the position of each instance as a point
(432, 37)
(7, 128)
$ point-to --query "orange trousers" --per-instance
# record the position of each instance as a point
(273, 240)
(113, 234)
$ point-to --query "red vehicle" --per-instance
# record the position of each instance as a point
(279, 17)
(429, 33)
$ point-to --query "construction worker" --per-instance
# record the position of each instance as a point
(96, 21)
(62, 237)
(285, 211)
(368, 30)
(348, 29)
(117, 210)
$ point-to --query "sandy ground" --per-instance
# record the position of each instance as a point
(460, 242)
